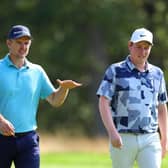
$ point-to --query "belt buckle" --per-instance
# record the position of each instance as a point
(19, 134)
(136, 133)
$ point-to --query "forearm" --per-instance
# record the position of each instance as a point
(58, 97)
(163, 125)
(106, 116)
(1, 117)
(105, 112)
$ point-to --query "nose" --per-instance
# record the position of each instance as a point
(144, 50)
(23, 46)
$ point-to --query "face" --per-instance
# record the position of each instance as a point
(19, 48)
(139, 51)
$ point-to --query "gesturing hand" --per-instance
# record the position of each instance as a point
(68, 84)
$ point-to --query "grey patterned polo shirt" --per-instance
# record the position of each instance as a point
(134, 96)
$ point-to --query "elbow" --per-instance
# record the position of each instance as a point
(58, 104)
(55, 101)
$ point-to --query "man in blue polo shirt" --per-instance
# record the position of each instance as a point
(132, 104)
(22, 85)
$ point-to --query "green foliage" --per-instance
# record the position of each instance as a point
(78, 39)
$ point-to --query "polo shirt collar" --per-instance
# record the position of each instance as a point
(10, 63)
(132, 66)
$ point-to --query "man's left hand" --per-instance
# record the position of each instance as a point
(68, 84)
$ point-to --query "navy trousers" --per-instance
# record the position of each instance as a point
(23, 150)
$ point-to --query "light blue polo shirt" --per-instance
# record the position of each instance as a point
(20, 92)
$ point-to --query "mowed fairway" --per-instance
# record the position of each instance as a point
(80, 160)
(75, 160)
(76, 152)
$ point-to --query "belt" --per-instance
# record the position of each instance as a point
(20, 134)
(133, 132)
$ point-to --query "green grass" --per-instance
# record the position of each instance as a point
(80, 160)
(75, 160)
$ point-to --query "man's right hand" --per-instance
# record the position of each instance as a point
(6, 127)
(116, 140)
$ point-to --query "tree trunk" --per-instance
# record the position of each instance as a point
(98, 60)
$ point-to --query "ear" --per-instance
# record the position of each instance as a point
(8, 42)
(130, 43)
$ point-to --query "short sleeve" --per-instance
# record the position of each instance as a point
(107, 85)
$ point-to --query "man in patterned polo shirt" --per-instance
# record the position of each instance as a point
(132, 104)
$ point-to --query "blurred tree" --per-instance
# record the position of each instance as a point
(78, 39)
